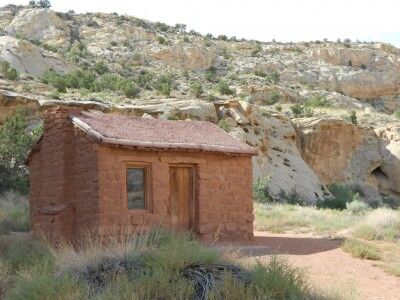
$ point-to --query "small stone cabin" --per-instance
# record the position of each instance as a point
(112, 173)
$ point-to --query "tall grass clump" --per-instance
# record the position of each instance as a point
(361, 249)
(14, 213)
(278, 280)
(379, 224)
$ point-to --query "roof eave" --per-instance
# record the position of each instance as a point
(176, 146)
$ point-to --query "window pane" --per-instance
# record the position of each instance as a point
(135, 187)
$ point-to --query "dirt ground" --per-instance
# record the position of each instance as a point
(328, 267)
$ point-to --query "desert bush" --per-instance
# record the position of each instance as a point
(101, 67)
(164, 84)
(352, 117)
(299, 110)
(357, 207)
(144, 79)
(15, 141)
(261, 190)
(361, 249)
(14, 213)
(341, 195)
(76, 52)
(293, 197)
(196, 89)
(211, 74)
(256, 51)
(316, 101)
(278, 280)
(8, 72)
(224, 89)
(273, 98)
(130, 89)
(224, 124)
(273, 77)
(379, 224)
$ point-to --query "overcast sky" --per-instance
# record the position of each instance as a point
(283, 20)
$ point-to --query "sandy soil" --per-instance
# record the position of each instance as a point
(327, 265)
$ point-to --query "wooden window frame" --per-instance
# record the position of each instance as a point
(147, 187)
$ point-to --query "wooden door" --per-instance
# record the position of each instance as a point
(181, 197)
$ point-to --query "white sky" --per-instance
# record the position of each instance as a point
(284, 20)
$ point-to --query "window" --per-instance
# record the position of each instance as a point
(136, 188)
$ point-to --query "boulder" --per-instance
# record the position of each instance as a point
(338, 151)
(30, 59)
(42, 25)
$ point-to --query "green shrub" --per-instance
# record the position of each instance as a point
(161, 40)
(144, 79)
(260, 73)
(357, 207)
(76, 52)
(317, 101)
(261, 190)
(130, 90)
(352, 118)
(224, 124)
(222, 37)
(293, 197)
(164, 84)
(361, 249)
(101, 67)
(273, 77)
(273, 98)
(8, 72)
(278, 280)
(196, 89)
(397, 114)
(15, 141)
(224, 89)
(211, 74)
(341, 195)
(256, 51)
(297, 110)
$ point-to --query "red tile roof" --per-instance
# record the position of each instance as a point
(158, 133)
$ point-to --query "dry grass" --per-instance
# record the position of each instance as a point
(14, 213)
(361, 249)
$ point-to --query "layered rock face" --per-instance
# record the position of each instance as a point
(40, 25)
(186, 57)
(371, 73)
(29, 59)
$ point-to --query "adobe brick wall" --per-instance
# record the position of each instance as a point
(223, 192)
(63, 180)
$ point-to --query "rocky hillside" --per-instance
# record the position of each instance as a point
(319, 112)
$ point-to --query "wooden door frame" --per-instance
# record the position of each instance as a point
(193, 202)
